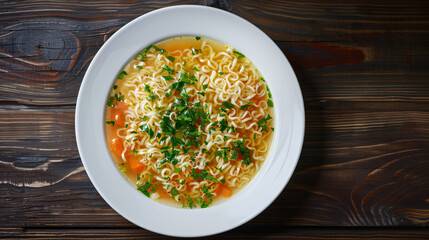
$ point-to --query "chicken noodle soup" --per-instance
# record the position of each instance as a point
(189, 121)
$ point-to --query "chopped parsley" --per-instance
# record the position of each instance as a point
(139, 67)
(122, 74)
(115, 87)
(198, 38)
(227, 105)
(143, 188)
(240, 55)
(174, 192)
(195, 69)
(270, 103)
(135, 152)
(245, 106)
(171, 58)
(263, 122)
(221, 73)
(168, 69)
(168, 78)
(111, 122)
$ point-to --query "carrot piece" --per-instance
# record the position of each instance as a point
(117, 114)
(135, 165)
(226, 191)
(163, 194)
(116, 146)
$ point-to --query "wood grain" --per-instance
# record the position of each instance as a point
(363, 70)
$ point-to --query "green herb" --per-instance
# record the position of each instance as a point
(171, 58)
(205, 86)
(151, 97)
(183, 182)
(220, 169)
(221, 73)
(268, 90)
(134, 132)
(123, 170)
(122, 74)
(239, 148)
(204, 205)
(144, 118)
(139, 67)
(143, 188)
(168, 69)
(201, 93)
(270, 103)
(206, 191)
(126, 125)
(144, 52)
(135, 152)
(135, 139)
(111, 122)
(168, 78)
(222, 181)
(227, 105)
(138, 177)
(254, 137)
(115, 87)
(174, 192)
(177, 170)
(199, 200)
(262, 79)
(223, 124)
(190, 202)
(240, 55)
(110, 101)
(195, 69)
(198, 38)
(147, 88)
(263, 122)
(245, 106)
(272, 129)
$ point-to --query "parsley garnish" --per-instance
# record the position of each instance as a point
(240, 55)
(204, 205)
(139, 67)
(198, 38)
(205, 86)
(263, 122)
(111, 122)
(222, 181)
(245, 106)
(168, 78)
(227, 105)
(195, 69)
(171, 58)
(174, 192)
(122, 74)
(143, 188)
(115, 87)
(221, 73)
(168, 69)
(270, 103)
(135, 152)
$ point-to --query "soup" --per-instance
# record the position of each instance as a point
(189, 121)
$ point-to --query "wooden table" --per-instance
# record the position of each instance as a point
(363, 67)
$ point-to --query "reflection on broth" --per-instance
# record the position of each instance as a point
(189, 121)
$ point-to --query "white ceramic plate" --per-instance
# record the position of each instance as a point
(195, 21)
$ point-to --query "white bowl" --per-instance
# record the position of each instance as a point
(288, 108)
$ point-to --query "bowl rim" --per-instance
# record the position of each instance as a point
(84, 117)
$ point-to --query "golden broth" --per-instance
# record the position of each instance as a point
(188, 121)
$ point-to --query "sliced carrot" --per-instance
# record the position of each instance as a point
(117, 114)
(163, 194)
(135, 165)
(116, 146)
(226, 191)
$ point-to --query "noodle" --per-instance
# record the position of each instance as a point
(188, 119)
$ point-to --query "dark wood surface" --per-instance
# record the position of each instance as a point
(363, 67)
